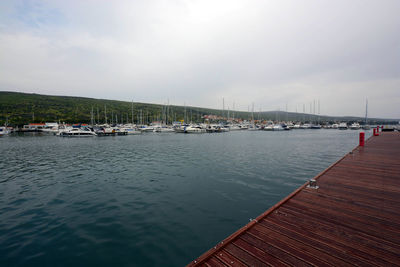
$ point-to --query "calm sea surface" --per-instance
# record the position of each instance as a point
(149, 200)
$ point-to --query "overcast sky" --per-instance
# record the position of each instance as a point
(270, 53)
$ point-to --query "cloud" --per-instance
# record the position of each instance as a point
(264, 52)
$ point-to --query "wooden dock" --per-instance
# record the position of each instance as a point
(352, 219)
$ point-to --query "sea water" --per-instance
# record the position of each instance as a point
(147, 200)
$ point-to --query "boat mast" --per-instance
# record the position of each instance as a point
(132, 112)
(252, 113)
(92, 117)
(105, 114)
(366, 111)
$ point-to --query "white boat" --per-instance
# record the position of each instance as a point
(297, 126)
(269, 127)
(335, 126)
(355, 126)
(277, 127)
(290, 125)
(163, 129)
(4, 131)
(146, 129)
(252, 127)
(244, 127)
(343, 126)
(130, 129)
(50, 128)
(193, 129)
(77, 132)
(180, 128)
(233, 127)
(305, 126)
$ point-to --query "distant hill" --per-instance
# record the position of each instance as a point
(23, 108)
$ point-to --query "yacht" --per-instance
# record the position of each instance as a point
(146, 129)
(305, 126)
(234, 127)
(193, 129)
(252, 127)
(269, 127)
(244, 127)
(285, 127)
(163, 129)
(277, 127)
(290, 125)
(343, 126)
(315, 126)
(130, 129)
(50, 128)
(355, 126)
(297, 126)
(77, 132)
(4, 131)
(216, 128)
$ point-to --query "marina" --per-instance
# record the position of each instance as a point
(347, 215)
(199, 133)
(81, 129)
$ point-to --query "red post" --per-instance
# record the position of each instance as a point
(362, 137)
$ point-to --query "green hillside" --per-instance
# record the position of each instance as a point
(22, 108)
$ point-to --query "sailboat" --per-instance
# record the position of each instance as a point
(366, 126)
(4, 129)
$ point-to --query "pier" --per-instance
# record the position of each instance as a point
(347, 215)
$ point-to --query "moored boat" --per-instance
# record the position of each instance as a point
(305, 126)
(77, 132)
(4, 131)
(342, 126)
(355, 126)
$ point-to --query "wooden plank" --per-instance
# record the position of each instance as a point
(330, 246)
(244, 256)
(229, 259)
(214, 262)
(272, 250)
(366, 244)
(366, 203)
(295, 248)
(351, 224)
(264, 257)
(350, 204)
(344, 217)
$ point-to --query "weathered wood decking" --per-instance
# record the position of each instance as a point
(353, 218)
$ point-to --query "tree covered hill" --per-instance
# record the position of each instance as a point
(23, 108)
